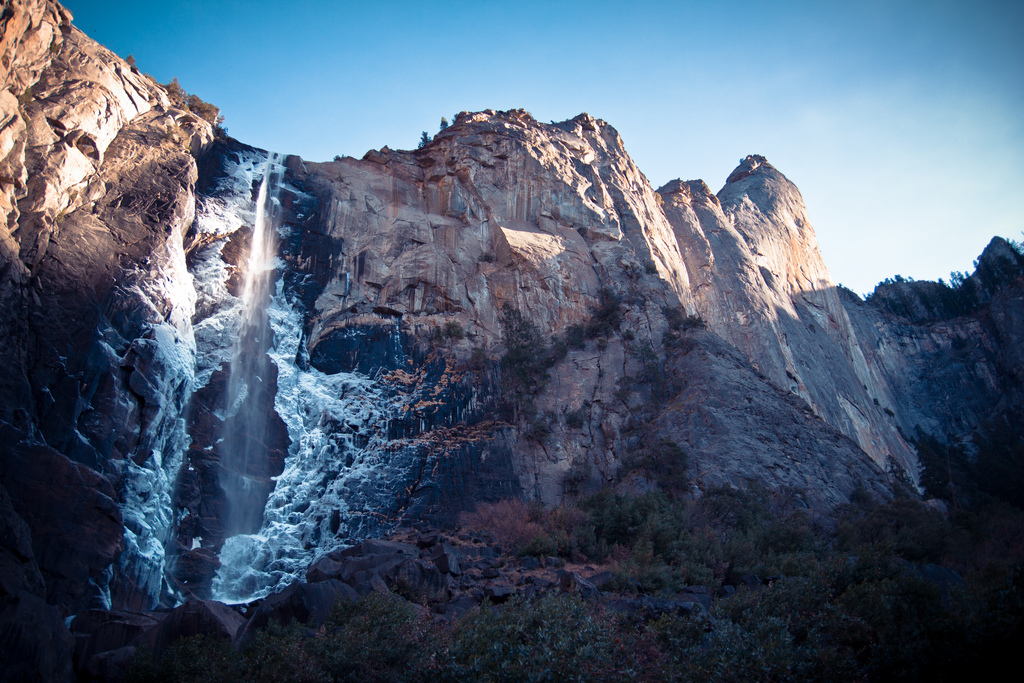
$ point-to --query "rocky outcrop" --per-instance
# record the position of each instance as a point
(761, 284)
(555, 219)
(951, 356)
(97, 170)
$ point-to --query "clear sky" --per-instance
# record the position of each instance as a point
(900, 121)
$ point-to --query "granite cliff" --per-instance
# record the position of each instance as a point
(708, 322)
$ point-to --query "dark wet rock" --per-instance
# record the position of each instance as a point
(71, 513)
(195, 617)
(446, 559)
(456, 608)
(111, 666)
(18, 568)
(34, 643)
(699, 594)
(601, 579)
(651, 609)
(97, 631)
(428, 539)
(750, 581)
(306, 603)
(498, 594)
(528, 562)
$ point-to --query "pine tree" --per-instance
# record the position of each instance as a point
(424, 140)
(444, 123)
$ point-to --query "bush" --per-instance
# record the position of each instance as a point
(555, 638)
(377, 638)
(576, 336)
(183, 100)
(575, 419)
(524, 362)
(606, 317)
(661, 461)
(196, 659)
(507, 521)
(453, 330)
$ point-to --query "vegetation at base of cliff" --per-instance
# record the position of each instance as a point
(866, 601)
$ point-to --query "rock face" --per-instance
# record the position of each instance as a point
(97, 170)
(952, 357)
(661, 324)
(761, 284)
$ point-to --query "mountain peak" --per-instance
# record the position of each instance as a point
(749, 165)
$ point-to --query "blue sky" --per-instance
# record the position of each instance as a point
(900, 122)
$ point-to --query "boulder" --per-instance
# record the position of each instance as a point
(98, 631)
(111, 667)
(207, 617)
(34, 643)
(446, 559)
(306, 603)
(651, 609)
(571, 582)
(498, 594)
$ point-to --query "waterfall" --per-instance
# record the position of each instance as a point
(252, 377)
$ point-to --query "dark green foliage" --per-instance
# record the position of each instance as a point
(281, 654)
(660, 460)
(478, 360)
(996, 470)
(904, 527)
(944, 470)
(675, 317)
(378, 638)
(678, 323)
(575, 419)
(197, 659)
(444, 123)
(606, 317)
(576, 336)
(183, 100)
(524, 364)
(453, 330)
(999, 466)
(576, 477)
(555, 638)
(424, 140)
(540, 429)
(832, 616)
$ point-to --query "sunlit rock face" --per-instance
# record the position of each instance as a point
(760, 282)
(552, 220)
